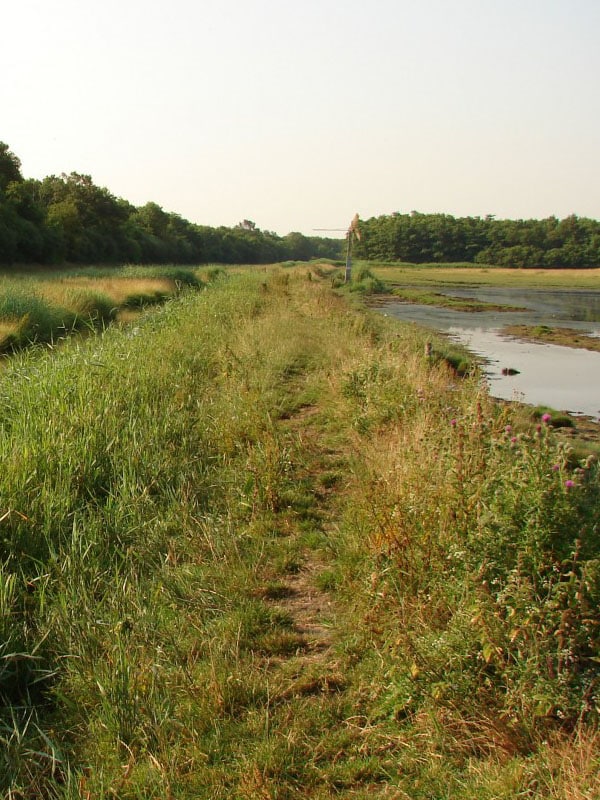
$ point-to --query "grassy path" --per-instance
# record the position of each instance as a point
(309, 605)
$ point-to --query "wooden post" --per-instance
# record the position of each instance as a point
(348, 258)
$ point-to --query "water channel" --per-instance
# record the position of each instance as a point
(564, 378)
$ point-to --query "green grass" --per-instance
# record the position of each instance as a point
(177, 496)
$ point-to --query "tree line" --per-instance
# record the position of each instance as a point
(422, 238)
(68, 219)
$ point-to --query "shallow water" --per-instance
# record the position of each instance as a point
(575, 305)
(564, 378)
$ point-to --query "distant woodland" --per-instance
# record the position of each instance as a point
(422, 238)
(68, 219)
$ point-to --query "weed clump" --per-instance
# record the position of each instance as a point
(551, 417)
(366, 283)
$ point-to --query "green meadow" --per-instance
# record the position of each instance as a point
(259, 545)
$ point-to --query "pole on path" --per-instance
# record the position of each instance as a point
(352, 232)
(348, 272)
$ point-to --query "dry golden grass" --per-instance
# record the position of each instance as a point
(61, 291)
(565, 768)
(127, 315)
(7, 328)
(574, 767)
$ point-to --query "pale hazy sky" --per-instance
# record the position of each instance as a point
(297, 115)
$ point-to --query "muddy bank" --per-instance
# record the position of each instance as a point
(566, 337)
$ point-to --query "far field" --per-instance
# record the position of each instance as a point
(427, 274)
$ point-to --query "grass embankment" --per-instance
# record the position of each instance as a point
(260, 546)
(43, 307)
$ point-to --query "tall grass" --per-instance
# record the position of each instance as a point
(120, 461)
(159, 484)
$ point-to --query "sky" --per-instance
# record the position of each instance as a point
(298, 115)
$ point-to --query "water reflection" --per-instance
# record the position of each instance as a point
(561, 377)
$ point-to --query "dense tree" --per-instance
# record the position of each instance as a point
(67, 218)
(420, 238)
(299, 247)
(10, 167)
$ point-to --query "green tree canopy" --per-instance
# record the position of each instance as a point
(420, 238)
(10, 167)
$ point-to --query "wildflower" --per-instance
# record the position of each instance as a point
(453, 423)
(555, 467)
(569, 484)
(513, 439)
(546, 418)
(508, 429)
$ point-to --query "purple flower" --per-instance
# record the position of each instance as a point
(508, 429)
(546, 418)
(513, 439)
(555, 467)
(453, 423)
(569, 484)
